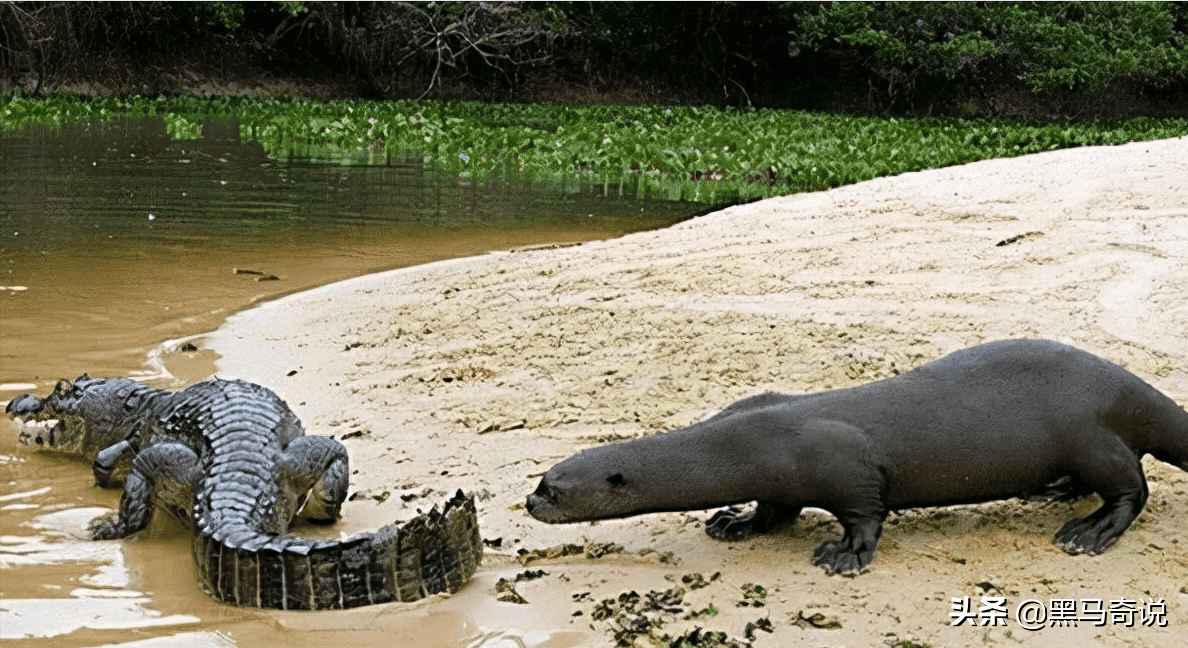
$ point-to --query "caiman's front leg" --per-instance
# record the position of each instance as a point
(163, 473)
(318, 466)
(105, 462)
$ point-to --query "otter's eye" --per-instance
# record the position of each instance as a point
(617, 480)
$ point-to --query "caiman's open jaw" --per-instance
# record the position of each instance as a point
(25, 405)
(40, 423)
(35, 425)
(41, 434)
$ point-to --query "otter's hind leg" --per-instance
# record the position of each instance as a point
(1114, 472)
(734, 524)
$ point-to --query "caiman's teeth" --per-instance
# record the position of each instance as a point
(35, 423)
(28, 430)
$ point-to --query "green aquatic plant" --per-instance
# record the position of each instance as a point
(691, 153)
(182, 127)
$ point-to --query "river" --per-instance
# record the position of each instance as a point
(118, 243)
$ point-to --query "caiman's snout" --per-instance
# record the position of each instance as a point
(24, 405)
(27, 409)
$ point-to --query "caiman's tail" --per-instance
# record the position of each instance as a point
(432, 553)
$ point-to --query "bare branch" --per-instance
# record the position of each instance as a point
(398, 42)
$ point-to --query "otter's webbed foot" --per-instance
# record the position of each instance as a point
(730, 524)
(1098, 530)
(734, 524)
(853, 552)
(1065, 489)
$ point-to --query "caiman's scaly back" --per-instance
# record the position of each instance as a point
(232, 460)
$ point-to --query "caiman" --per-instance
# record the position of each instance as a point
(232, 461)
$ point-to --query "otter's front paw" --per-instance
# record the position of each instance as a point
(731, 524)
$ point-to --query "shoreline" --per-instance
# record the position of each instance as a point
(479, 373)
(167, 360)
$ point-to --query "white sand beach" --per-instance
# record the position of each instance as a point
(483, 372)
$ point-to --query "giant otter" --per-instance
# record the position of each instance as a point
(1004, 419)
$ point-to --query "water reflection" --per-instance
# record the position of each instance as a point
(113, 236)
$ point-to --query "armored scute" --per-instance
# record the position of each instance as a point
(231, 459)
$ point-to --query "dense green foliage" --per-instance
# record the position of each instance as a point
(1052, 48)
(1034, 59)
(695, 153)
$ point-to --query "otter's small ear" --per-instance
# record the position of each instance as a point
(617, 480)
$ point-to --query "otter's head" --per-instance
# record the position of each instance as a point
(605, 482)
(80, 417)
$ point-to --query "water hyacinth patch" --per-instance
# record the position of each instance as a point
(692, 153)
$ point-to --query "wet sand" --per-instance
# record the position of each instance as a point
(480, 373)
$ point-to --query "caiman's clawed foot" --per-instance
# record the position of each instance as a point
(106, 527)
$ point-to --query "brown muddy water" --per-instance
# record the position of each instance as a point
(117, 243)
